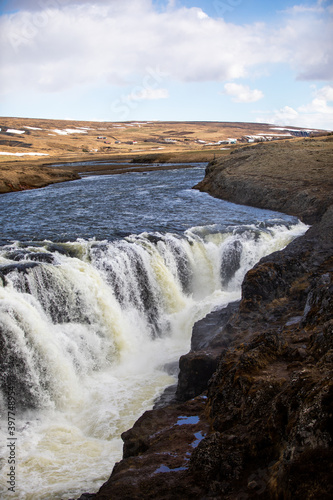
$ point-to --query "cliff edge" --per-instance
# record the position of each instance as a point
(253, 414)
(290, 177)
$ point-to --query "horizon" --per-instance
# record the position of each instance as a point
(168, 61)
(164, 121)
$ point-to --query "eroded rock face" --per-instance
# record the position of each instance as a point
(265, 427)
(210, 337)
(270, 401)
(157, 453)
(266, 421)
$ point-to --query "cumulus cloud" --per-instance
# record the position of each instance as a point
(316, 114)
(66, 43)
(306, 38)
(88, 43)
(325, 93)
(242, 93)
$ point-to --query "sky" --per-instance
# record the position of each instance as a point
(177, 60)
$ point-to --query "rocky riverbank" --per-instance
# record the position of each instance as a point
(253, 412)
(290, 177)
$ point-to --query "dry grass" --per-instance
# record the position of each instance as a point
(80, 140)
(148, 137)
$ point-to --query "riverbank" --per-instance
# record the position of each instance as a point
(255, 394)
(290, 177)
(19, 175)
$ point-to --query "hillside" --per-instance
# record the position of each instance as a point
(291, 177)
(65, 137)
(29, 146)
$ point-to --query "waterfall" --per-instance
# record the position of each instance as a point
(87, 327)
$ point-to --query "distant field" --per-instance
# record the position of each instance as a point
(29, 146)
(23, 138)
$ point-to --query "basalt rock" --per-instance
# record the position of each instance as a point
(266, 425)
(157, 453)
(270, 401)
(209, 337)
(22, 267)
(263, 425)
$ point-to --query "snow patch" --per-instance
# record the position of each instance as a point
(67, 131)
(274, 135)
(14, 131)
(294, 129)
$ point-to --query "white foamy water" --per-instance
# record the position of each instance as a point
(87, 329)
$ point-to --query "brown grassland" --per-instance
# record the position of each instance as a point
(65, 141)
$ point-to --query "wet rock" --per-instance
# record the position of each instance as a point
(22, 267)
(195, 371)
(21, 254)
(3, 279)
(157, 451)
(272, 390)
(48, 258)
(62, 249)
(16, 377)
(230, 262)
(167, 397)
(266, 413)
(17, 255)
(209, 336)
(212, 330)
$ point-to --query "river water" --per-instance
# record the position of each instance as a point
(101, 281)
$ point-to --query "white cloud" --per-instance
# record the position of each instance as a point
(242, 93)
(306, 39)
(325, 93)
(284, 116)
(79, 42)
(316, 114)
(59, 45)
(85, 43)
(201, 14)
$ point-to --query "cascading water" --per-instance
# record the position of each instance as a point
(86, 331)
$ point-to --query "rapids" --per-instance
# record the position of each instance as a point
(90, 327)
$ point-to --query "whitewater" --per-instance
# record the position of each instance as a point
(101, 282)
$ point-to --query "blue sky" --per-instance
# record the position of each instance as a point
(219, 60)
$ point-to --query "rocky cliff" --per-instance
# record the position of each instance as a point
(253, 411)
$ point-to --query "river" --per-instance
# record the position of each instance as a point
(101, 281)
